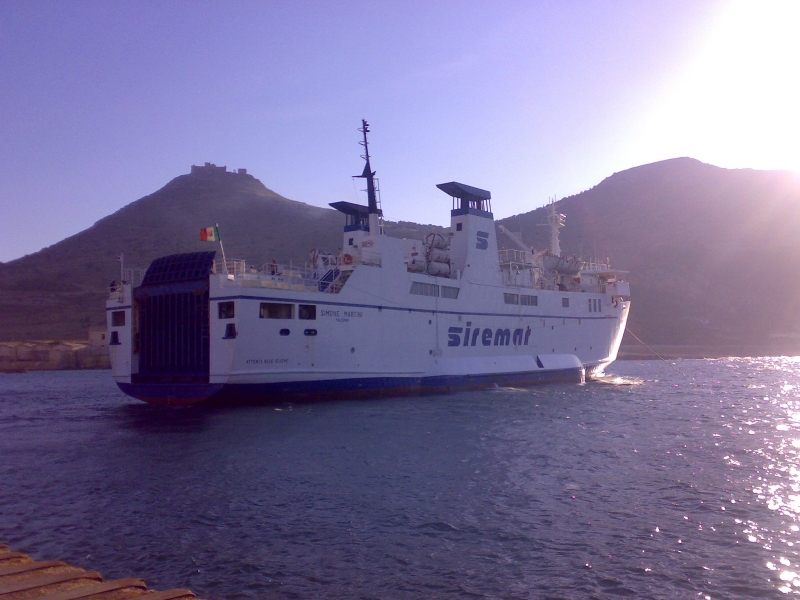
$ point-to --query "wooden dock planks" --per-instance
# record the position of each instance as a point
(22, 578)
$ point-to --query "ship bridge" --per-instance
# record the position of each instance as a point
(468, 199)
(357, 215)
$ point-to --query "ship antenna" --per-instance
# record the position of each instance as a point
(368, 173)
(555, 221)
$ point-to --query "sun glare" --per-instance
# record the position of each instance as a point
(736, 102)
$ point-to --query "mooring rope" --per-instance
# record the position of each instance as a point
(672, 364)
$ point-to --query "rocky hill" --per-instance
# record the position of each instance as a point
(712, 254)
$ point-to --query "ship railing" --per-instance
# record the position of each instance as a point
(593, 265)
(130, 276)
(230, 267)
(521, 257)
(328, 275)
(288, 273)
(133, 276)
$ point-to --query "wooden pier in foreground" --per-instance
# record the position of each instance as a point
(22, 578)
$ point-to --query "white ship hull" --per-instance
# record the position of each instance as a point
(375, 338)
(370, 322)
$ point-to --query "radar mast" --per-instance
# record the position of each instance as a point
(369, 175)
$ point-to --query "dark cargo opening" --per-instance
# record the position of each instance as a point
(171, 320)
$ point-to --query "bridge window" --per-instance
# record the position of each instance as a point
(118, 318)
(511, 298)
(226, 310)
(526, 300)
(565, 302)
(307, 312)
(276, 310)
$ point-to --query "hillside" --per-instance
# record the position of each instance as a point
(712, 253)
(59, 292)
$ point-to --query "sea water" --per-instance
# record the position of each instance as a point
(664, 480)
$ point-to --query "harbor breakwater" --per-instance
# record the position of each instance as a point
(16, 357)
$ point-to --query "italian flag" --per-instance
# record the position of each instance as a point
(209, 234)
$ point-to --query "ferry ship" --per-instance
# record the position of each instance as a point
(383, 317)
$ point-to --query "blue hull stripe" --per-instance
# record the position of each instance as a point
(364, 387)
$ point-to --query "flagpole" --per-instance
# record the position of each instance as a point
(224, 262)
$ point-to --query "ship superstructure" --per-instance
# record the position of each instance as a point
(385, 316)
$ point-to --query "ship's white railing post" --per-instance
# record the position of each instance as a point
(133, 276)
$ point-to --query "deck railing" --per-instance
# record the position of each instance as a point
(327, 278)
(133, 276)
(521, 257)
(231, 267)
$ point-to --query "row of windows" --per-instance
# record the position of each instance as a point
(523, 299)
(594, 303)
(431, 289)
(308, 312)
(273, 310)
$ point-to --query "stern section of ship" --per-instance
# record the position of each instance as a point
(160, 348)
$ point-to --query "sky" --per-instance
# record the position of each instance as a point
(102, 103)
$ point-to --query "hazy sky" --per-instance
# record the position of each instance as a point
(105, 102)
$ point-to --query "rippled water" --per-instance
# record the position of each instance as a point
(663, 481)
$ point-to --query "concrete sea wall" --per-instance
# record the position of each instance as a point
(17, 357)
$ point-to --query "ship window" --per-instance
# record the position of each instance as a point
(511, 298)
(449, 292)
(591, 304)
(565, 302)
(529, 300)
(424, 289)
(114, 339)
(225, 310)
(350, 241)
(459, 226)
(276, 310)
(118, 318)
(307, 312)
